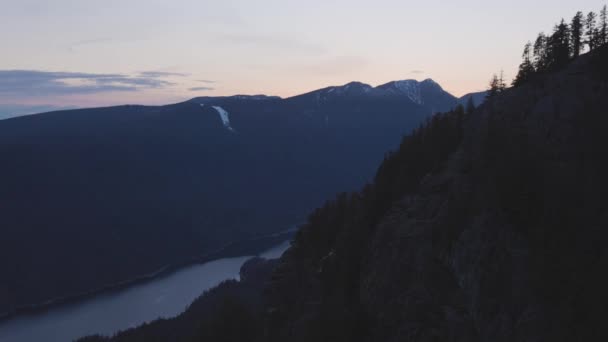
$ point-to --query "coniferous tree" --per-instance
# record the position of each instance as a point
(526, 68)
(502, 85)
(591, 32)
(603, 29)
(494, 86)
(577, 34)
(540, 52)
(559, 46)
(497, 85)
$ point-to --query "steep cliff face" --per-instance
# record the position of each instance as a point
(501, 237)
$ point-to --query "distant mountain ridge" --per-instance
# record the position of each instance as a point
(260, 97)
(420, 92)
(427, 94)
(477, 97)
(14, 110)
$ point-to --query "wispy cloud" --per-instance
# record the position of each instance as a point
(201, 89)
(144, 82)
(35, 82)
(161, 74)
(417, 72)
(207, 81)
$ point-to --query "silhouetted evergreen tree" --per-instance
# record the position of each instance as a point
(494, 87)
(591, 33)
(577, 34)
(502, 85)
(559, 46)
(603, 30)
(553, 52)
(526, 68)
(497, 85)
(540, 52)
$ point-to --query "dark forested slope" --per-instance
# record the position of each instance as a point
(493, 230)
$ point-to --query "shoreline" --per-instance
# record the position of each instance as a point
(251, 246)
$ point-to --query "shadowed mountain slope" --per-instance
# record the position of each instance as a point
(94, 197)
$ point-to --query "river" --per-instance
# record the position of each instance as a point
(110, 312)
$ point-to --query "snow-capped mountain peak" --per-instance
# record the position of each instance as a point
(354, 88)
(430, 83)
(409, 88)
(426, 93)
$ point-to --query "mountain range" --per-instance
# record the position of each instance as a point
(97, 197)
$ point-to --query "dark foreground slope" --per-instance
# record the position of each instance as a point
(483, 226)
(501, 237)
(99, 196)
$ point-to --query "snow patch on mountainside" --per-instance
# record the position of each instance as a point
(411, 89)
(353, 88)
(224, 116)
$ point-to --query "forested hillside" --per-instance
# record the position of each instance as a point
(493, 230)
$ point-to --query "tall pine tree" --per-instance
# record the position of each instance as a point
(591, 33)
(540, 52)
(603, 30)
(502, 85)
(577, 34)
(559, 46)
(494, 87)
(526, 68)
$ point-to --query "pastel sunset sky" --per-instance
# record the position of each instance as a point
(80, 53)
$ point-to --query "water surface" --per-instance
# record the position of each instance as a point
(108, 313)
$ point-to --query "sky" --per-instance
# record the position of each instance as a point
(83, 53)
